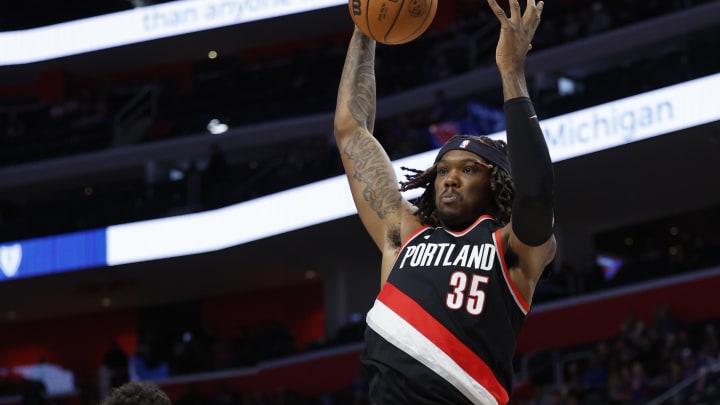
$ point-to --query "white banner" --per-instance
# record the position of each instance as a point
(142, 24)
(631, 119)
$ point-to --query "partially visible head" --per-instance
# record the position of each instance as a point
(470, 177)
(137, 393)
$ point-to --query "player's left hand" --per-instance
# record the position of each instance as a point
(516, 32)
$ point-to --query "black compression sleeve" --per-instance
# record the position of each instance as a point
(532, 213)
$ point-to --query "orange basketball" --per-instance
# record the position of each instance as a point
(393, 22)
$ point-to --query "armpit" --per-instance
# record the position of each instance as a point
(511, 258)
(393, 236)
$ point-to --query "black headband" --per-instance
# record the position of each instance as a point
(479, 148)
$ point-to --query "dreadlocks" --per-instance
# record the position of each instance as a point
(501, 187)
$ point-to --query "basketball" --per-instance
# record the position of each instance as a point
(393, 22)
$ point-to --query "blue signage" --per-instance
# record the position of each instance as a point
(53, 254)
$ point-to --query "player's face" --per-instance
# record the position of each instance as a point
(462, 188)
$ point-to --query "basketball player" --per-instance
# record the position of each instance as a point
(459, 267)
(137, 393)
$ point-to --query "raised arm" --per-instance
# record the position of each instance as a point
(529, 237)
(372, 179)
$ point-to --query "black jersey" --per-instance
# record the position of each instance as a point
(444, 327)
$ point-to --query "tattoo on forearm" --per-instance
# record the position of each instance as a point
(362, 84)
(371, 169)
(369, 162)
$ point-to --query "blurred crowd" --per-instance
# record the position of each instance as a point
(640, 363)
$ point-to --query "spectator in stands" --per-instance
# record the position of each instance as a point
(148, 361)
(137, 393)
(664, 322)
(193, 186)
(670, 377)
(648, 354)
(573, 386)
(639, 386)
(594, 377)
(34, 393)
(114, 370)
(468, 195)
(710, 346)
(632, 328)
(619, 384)
(215, 177)
(443, 108)
(401, 137)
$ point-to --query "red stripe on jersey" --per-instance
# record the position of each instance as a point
(437, 333)
(518, 297)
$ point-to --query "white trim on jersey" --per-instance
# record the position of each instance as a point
(477, 222)
(506, 275)
(405, 337)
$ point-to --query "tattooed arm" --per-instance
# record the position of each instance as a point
(372, 179)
